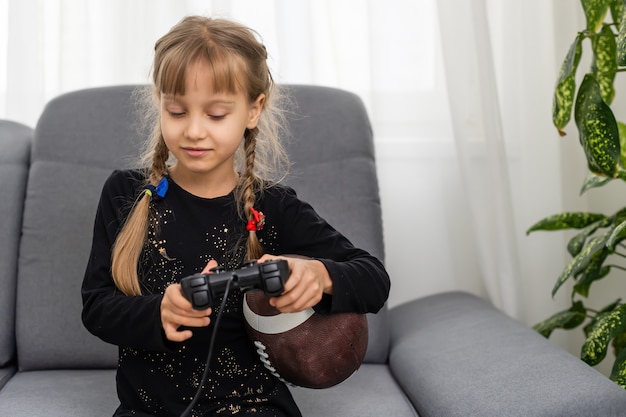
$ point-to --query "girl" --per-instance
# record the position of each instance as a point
(206, 200)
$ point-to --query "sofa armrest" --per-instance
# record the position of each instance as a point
(15, 142)
(456, 355)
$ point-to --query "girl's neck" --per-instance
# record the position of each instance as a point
(205, 186)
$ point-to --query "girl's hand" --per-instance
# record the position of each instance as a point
(308, 280)
(176, 311)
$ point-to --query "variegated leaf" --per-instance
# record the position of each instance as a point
(617, 235)
(619, 342)
(568, 220)
(565, 90)
(604, 62)
(621, 128)
(621, 37)
(594, 272)
(621, 173)
(597, 128)
(575, 245)
(567, 319)
(618, 372)
(603, 312)
(617, 9)
(606, 328)
(594, 181)
(595, 11)
(580, 261)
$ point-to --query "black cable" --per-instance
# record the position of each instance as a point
(196, 397)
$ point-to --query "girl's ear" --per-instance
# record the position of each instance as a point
(255, 111)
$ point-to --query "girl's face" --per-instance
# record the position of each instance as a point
(203, 129)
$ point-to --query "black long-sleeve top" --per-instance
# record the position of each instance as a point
(157, 377)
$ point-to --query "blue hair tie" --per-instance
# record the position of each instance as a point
(158, 192)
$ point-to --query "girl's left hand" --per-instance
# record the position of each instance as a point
(308, 280)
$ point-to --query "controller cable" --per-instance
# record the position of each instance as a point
(196, 397)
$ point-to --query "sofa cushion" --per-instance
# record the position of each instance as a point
(370, 392)
(71, 393)
(15, 141)
(91, 393)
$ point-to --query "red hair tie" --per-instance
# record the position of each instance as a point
(257, 221)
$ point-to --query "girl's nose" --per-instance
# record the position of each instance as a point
(196, 128)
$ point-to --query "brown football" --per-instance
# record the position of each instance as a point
(306, 349)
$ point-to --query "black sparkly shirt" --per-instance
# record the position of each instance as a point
(157, 377)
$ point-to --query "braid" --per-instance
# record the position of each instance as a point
(130, 241)
(250, 184)
(159, 162)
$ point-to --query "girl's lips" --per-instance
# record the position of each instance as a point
(196, 152)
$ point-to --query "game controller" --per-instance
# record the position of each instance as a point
(203, 289)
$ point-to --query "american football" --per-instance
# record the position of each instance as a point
(306, 349)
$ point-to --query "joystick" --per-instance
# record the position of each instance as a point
(202, 289)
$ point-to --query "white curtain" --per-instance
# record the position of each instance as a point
(480, 148)
(459, 93)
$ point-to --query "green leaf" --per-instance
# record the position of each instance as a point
(580, 261)
(621, 173)
(618, 217)
(568, 220)
(575, 245)
(597, 128)
(595, 11)
(604, 311)
(604, 62)
(621, 128)
(567, 319)
(565, 90)
(617, 9)
(606, 328)
(594, 272)
(621, 37)
(594, 181)
(618, 373)
(617, 235)
(619, 343)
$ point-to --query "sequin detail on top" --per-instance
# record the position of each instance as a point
(159, 269)
(184, 234)
(269, 241)
(249, 394)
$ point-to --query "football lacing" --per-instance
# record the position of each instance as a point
(265, 358)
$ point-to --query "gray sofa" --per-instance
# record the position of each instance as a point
(446, 355)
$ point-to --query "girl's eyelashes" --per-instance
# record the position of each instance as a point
(173, 111)
(178, 113)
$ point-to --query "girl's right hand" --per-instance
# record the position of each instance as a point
(176, 311)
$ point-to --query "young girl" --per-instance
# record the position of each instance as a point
(206, 200)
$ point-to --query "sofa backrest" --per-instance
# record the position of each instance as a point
(79, 138)
(15, 140)
(82, 136)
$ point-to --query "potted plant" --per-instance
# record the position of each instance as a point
(599, 237)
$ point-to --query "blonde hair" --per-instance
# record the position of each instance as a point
(238, 61)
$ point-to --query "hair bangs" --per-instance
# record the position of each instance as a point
(225, 68)
(171, 76)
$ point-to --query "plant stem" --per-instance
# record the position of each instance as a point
(617, 266)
